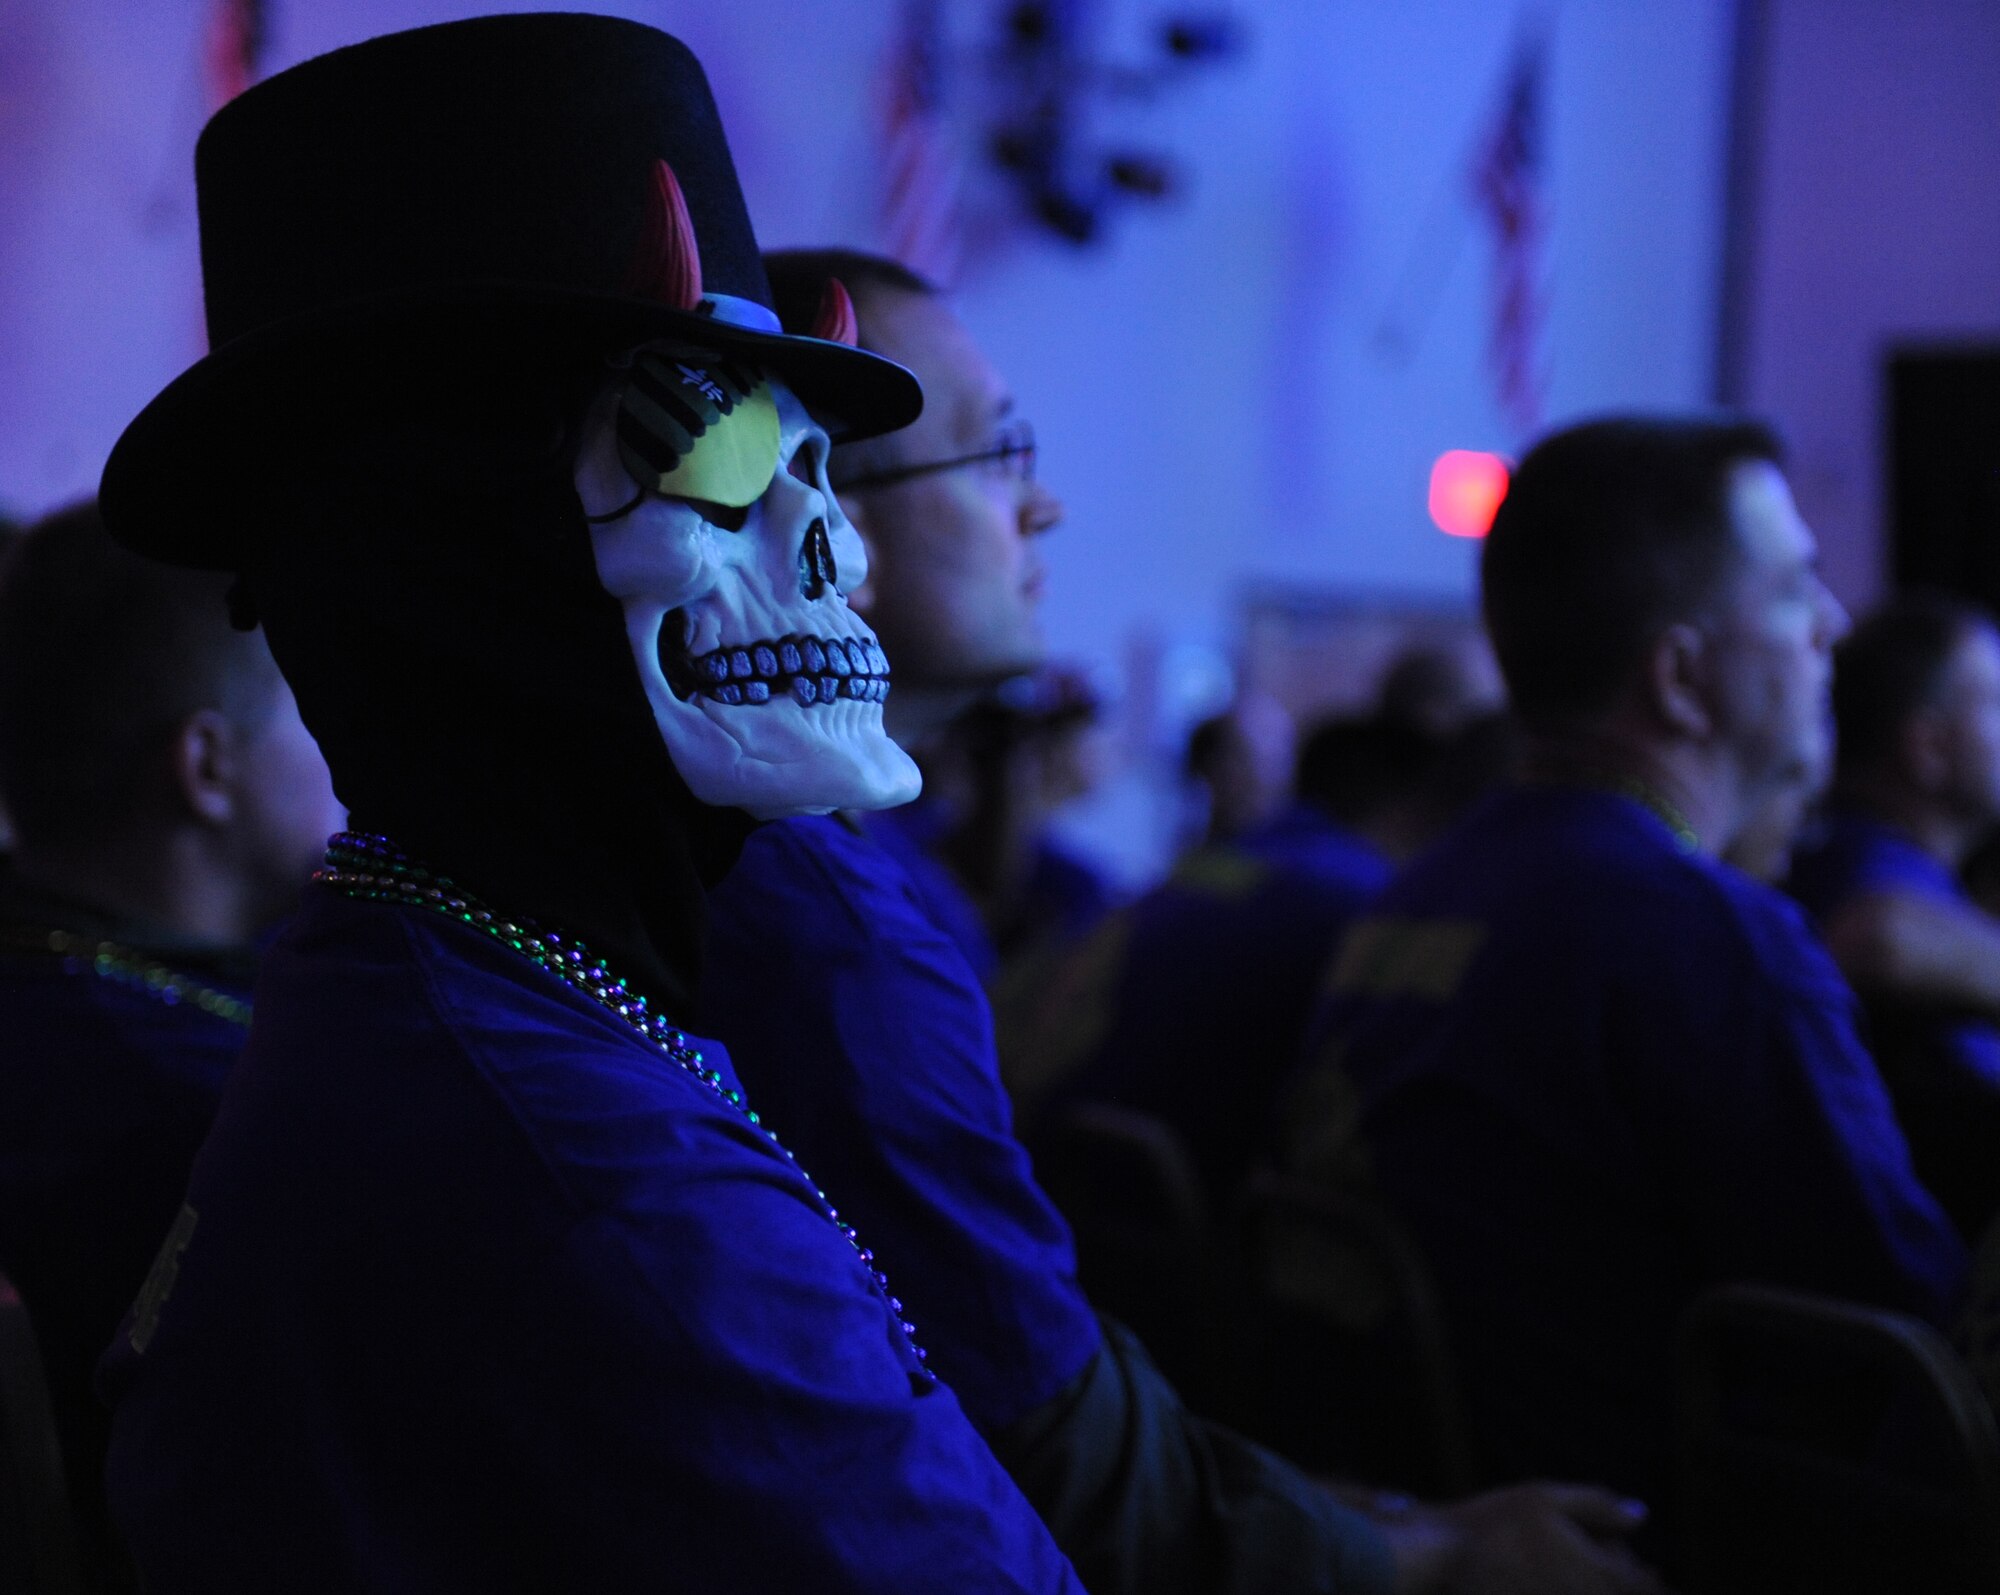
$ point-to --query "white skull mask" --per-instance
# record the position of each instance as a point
(766, 687)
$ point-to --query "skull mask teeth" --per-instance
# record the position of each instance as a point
(767, 689)
(809, 670)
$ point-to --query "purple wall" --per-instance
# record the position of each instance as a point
(1211, 392)
(1879, 222)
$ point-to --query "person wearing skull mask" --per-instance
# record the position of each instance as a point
(882, 1061)
(488, 1276)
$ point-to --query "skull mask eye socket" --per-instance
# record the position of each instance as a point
(806, 463)
(729, 517)
(695, 427)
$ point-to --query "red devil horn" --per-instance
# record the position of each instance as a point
(834, 320)
(666, 264)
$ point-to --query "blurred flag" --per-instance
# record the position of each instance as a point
(1509, 179)
(921, 223)
(232, 47)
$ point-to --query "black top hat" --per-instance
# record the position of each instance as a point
(548, 168)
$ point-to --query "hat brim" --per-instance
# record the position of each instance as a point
(171, 486)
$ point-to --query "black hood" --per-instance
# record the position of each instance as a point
(430, 593)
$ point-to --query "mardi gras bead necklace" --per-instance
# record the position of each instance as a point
(375, 869)
(108, 960)
(1570, 770)
(1660, 806)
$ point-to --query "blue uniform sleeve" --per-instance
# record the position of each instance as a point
(878, 1069)
(744, 1396)
(1850, 856)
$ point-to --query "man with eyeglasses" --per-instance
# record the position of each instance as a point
(951, 515)
(950, 511)
(879, 1068)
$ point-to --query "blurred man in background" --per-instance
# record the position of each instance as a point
(1239, 764)
(168, 806)
(1598, 1071)
(1010, 764)
(1916, 693)
(1225, 958)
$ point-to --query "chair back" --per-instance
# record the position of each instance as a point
(1148, 1252)
(1351, 1367)
(38, 1552)
(1829, 1447)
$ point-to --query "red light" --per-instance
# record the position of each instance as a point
(1466, 490)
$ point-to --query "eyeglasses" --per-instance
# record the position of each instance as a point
(1013, 455)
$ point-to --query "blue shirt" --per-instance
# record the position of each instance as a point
(1942, 1064)
(1597, 1075)
(106, 1089)
(866, 1041)
(1213, 991)
(480, 1290)
(910, 836)
(1847, 855)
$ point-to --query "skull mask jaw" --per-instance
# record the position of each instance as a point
(767, 689)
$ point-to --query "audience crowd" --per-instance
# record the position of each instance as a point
(378, 1222)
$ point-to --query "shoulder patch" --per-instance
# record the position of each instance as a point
(160, 1279)
(1219, 872)
(1391, 956)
